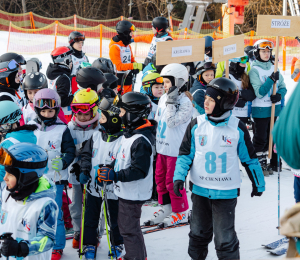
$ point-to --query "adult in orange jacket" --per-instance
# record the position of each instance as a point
(121, 55)
(159, 27)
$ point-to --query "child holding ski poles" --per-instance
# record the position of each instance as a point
(132, 173)
(101, 149)
(28, 209)
(211, 148)
(54, 136)
(82, 126)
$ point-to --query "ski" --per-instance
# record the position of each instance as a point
(277, 243)
(160, 229)
(148, 226)
(279, 251)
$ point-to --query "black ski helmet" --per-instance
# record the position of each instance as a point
(124, 27)
(90, 77)
(75, 37)
(111, 81)
(105, 65)
(13, 56)
(202, 67)
(35, 80)
(229, 91)
(160, 23)
(249, 50)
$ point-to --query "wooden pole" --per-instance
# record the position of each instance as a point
(273, 104)
(284, 53)
(251, 37)
(55, 39)
(101, 40)
(227, 68)
(75, 22)
(8, 36)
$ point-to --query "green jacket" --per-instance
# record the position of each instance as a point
(262, 89)
(221, 68)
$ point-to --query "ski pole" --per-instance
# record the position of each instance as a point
(106, 212)
(82, 222)
(278, 170)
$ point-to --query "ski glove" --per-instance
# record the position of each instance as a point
(275, 98)
(107, 174)
(274, 76)
(84, 177)
(57, 164)
(76, 170)
(178, 186)
(255, 192)
(138, 66)
(11, 247)
(173, 95)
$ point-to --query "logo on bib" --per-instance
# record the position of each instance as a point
(25, 224)
(52, 145)
(111, 155)
(3, 216)
(123, 154)
(226, 141)
(94, 152)
(203, 140)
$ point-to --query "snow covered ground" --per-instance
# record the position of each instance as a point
(256, 218)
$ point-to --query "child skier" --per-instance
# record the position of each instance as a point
(246, 93)
(28, 209)
(262, 78)
(32, 83)
(159, 26)
(205, 73)
(99, 150)
(110, 86)
(10, 130)
(132, 173)
(173, 114)
(153, 87)
(121, 55)
(210, 149)
(55, 137)
(59, 73)
(82, 126)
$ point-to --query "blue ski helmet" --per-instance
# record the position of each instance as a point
(10, 113)
(208, 41)
(30, 159)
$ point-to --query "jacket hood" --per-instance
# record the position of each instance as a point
(45, 188)
(263, 65)
(116, 40)
(55, 70)
(148, 131)
(77, 127)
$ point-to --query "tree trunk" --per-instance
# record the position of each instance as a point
(109, 9)
(24, 6)
(141, 10)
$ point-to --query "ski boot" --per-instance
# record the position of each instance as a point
(160, 215)
(75, 242)
(262, 158)
(119, 251)
(174, 219)
(89, 252)
(270, 169)
(56, 254)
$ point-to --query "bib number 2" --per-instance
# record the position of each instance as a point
(162, 126)
(210, 163)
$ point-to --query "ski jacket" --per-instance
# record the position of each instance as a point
(29, 114)
(20, 134)
(211, 151)
(172, 122)
(221, 69)
(80, 135)
(58, 141)
(10, 94)
(263, 88)
(60, 81)
(198, 91)
(32, 220)
(134, 163)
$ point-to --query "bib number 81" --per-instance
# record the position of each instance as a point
(210, 163)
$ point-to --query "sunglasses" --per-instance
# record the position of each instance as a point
(242, 60)
(46, 103)
(159, 80)
(264, 45)
(83, 108)
(8, 65)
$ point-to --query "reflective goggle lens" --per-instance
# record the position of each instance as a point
(13, 65)
(5, 158)
(244, 59)
(79, 39)
(264, 45)
(116, 100)
(159, 80)
(132, 28)
(83, 108)
(49, 103)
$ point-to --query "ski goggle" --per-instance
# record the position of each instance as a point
(117, 100)
(159, 80)
(79, 39)
(106, 105)
(66, 59)
(267, 44)
(20, 60)
(132, 28)
(242, 60)
(8, 65)
(5, 158)
(46, 103)
(83, 108)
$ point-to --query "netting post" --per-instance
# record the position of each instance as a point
(284, 53)
(122, 18)
(101, 40)
(8, 36)
(32, 21)
(171, 23)
(219, 21)
(251, 37)
(185, 33)
(55, 39)
(214, 35)
(75, 22)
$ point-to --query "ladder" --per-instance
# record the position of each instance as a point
(294, 7)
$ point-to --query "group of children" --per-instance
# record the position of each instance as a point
(79, 129)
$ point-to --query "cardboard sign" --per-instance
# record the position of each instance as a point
(228, 48)
(277, 25)
(180, 51)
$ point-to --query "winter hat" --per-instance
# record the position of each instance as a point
(217, 96)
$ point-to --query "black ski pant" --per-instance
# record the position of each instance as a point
(261, 137)
(92, 217)
(213, 216)
(129, 224)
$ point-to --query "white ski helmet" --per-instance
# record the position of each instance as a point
(261, 45)
(178, 72)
